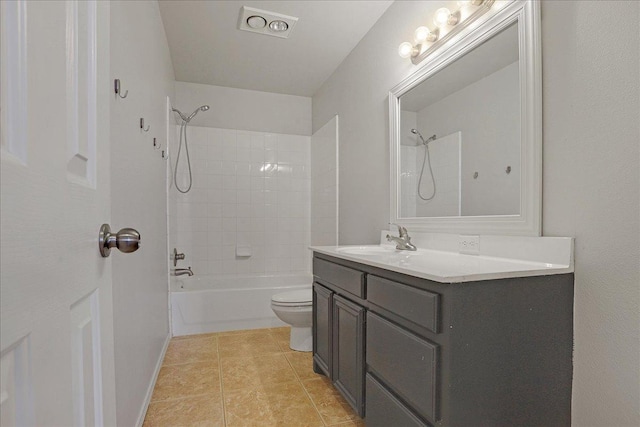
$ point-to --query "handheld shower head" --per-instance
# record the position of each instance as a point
(201, 108)
(431, 138)
(188, 119)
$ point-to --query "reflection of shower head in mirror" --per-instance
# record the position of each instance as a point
(427, 157)
(431, 138)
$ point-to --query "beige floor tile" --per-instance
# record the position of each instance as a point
(332, 407)
(282, 337)
(357, 423)
(302, 363)
(246, 331)
(272, 405)
(192, 379)
(253, 372)
(201, 411)
(190, 337)
(253, 344)
(204, 348)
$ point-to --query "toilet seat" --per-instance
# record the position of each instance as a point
(303, 297)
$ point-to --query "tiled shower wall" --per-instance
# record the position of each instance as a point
(251, 192)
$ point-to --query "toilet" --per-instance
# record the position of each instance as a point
(294, 308)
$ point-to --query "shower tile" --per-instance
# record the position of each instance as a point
(270, 141)
(200, 411)
(192, 379)
(249, 372)
(270, 405)
(330, 404)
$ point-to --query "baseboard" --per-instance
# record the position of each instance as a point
(147, 399)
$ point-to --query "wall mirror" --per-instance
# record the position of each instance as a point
(466, 131)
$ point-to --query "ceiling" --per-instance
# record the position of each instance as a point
(207, 47)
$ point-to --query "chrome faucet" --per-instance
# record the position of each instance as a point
(403, 243)
(182, 271)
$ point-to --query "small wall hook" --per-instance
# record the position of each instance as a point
(164, 156)
(475, 175)
(156, 144)
(142, 125)
(118, 89)
(508, 170)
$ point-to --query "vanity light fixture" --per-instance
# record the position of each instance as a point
(447, 25)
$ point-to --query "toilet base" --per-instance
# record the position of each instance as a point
(301, 339)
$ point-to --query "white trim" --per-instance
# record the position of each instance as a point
(14, 80)
(529, 222)
(147, 399)
(337, 179)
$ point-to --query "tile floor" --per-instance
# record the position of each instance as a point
(243, 378)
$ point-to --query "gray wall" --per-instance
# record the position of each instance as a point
(591, 182)
(244, 109)
(140, 58)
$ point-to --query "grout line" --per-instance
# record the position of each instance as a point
(305, 390)
(191, 396)
(224, 409)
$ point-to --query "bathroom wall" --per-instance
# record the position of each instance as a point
(246, 109)
(591, 182)
(324, 184)
(140, 58)
(251, 192)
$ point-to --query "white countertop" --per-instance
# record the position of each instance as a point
(450, 267)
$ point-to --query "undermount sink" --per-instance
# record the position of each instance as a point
(367, 250)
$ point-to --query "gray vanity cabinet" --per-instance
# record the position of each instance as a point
(322, 333)
(406, 351)
(348, 351)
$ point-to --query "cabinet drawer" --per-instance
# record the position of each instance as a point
(345, 278)
(384, 410)
(405, 363)
(415, 305)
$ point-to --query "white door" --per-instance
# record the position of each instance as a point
(56, 328)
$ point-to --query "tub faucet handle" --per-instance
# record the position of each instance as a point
(176, 257)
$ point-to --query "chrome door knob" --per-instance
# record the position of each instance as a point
(126, 240)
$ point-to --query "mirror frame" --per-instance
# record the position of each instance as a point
(526, 13)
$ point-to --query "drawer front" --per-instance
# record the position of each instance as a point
(405, 363)
(345, 278)
(384, 410)
(415, 305)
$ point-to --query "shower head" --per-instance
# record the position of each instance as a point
(201, 108)
(188, 119)
(431, 138)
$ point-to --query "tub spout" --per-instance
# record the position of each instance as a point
(182, 271)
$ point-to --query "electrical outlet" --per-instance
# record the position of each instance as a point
(469, 245)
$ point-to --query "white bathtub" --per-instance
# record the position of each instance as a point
(213, 304)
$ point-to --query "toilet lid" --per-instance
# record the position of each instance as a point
(300, 297)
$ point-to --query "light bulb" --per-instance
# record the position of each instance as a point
(444, 17)
(405, 50)
(421, 34)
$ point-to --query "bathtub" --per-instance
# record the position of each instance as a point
(214, 303)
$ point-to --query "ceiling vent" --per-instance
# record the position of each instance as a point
(265, 22)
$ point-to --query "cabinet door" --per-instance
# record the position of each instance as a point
(322, 333)
(348, 354)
